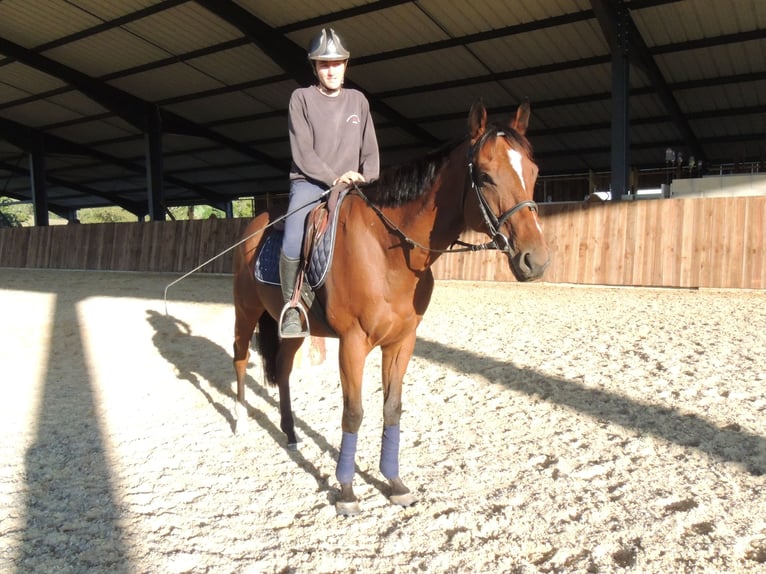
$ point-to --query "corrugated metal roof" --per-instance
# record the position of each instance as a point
(86, 72)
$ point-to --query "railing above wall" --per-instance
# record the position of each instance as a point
(709, 242)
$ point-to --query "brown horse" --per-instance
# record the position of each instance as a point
(389, 234)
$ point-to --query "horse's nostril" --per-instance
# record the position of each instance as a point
(525, 262)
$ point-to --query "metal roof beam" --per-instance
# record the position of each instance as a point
(342, 15)
(123, 104)
(26, 138)
(104, 26)
(458, 41)
(131, 206)
(132, 109)
(497, 77)
(712, 42)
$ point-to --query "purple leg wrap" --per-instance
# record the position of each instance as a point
(389, 452)
(344, 472)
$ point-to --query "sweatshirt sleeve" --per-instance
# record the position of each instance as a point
(369, 157)
(302, 143)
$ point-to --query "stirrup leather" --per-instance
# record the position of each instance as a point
(303, 316)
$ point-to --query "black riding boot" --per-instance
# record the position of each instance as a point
(290, 325)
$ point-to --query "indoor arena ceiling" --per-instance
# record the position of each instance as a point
(80, 81)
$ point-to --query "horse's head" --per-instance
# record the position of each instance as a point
(502, 178)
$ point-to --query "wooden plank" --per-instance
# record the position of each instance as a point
(720, 253)
(735, 236)
(685, 240)
(754, 268)
(642, 242)
(612, 261)
(571, 228)
(707, 229)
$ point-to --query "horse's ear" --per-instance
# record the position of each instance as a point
(521, 122)
(477, 120)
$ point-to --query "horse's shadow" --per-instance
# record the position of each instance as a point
(196, 358)
(726, 443)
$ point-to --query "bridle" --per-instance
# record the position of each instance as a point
(499, 241)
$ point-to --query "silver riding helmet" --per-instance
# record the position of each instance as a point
(328, 46)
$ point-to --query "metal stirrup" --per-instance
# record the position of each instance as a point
(304, 317)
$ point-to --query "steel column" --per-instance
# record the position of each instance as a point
(620, 159)
(38, 183)
(154, 184)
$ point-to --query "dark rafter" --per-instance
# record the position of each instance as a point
(132, 109)
(131, 206)
(25, 138)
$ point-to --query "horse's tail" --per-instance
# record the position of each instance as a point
(267, 344)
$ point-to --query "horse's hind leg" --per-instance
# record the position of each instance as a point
(284, 366)
(244, 326)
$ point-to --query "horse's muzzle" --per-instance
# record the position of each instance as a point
(528, 265)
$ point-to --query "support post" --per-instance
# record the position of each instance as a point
(620, 159)
(38, 183)
(154, 176)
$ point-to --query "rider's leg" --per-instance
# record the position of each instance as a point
(288, 271)
(303, 198)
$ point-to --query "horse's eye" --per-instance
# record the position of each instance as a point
(486, 178)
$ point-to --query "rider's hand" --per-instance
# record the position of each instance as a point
(350, 177)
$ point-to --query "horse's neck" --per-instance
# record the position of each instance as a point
(435, 220)
(447, 200)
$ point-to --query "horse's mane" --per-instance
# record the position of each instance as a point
(402, 183)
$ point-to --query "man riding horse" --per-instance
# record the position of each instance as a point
(332, 141)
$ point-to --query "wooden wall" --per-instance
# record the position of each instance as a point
(703, 242)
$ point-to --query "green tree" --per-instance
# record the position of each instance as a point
(105, 215)
(13, 213)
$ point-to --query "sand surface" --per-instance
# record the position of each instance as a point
(546, 428)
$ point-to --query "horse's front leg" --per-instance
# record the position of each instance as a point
(395, 359)
(351, 357)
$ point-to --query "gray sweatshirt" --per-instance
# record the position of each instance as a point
(331, 135)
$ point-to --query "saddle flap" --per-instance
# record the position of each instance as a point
(319, 238)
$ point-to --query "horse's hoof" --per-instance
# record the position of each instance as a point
(239, 426)
(240, 418)
(344, 508)
(400, 494)
(406, 499)
(292, 446)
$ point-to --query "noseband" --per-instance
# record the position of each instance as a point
(493, 222)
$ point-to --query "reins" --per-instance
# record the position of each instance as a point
(411, 242)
